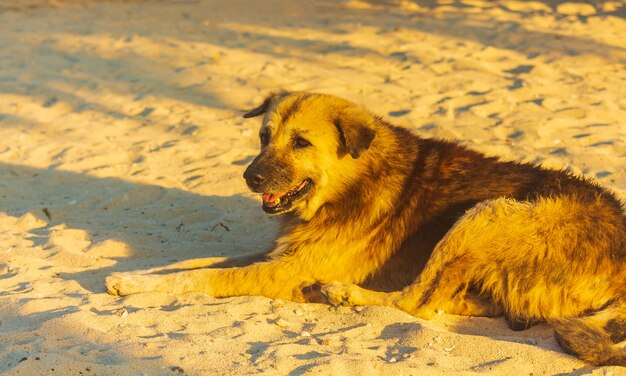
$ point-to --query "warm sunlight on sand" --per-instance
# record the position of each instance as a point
(122, 119)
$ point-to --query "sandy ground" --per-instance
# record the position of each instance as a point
(122, 147)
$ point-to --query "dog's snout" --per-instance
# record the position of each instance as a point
(253, 177)
(257, 179)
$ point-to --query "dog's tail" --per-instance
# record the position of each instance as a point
(594, 337)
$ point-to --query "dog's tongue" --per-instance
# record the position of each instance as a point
(271, 197)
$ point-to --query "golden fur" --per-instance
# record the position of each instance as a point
(420, 225)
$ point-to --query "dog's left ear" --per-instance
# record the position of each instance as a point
(355, 132)
(262, 108)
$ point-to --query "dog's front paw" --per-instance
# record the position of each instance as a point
(123, 284)
(339, 293)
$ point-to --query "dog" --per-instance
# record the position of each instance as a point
(375, 215)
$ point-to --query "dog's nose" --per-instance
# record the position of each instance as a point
(253, 178)
(257, 179)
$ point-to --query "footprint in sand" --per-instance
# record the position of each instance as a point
(602, 143)
(244, 161)
(515, 135)
(427, 127)
(399, 113)
(559, 151)
(520, 69)
(572, 112)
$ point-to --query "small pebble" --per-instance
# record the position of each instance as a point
(177, 369)
(282, 323)
(448, 349)
(121, 312)
(358, 308)
(305, 334)
(298, 312)
(393, 360)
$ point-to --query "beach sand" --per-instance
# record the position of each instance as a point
(122, 147)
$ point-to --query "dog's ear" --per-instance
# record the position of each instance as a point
(262, 108)
(355, 132)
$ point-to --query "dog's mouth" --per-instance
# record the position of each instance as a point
(275, 203)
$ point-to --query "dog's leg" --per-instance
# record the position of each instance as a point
(474, 305)
(347, 294)
(443, 284)
(441, 287)
(281, 279)
(214, 262)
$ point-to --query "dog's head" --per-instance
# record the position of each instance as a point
(311, 150)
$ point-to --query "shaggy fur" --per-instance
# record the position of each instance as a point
(378, 215)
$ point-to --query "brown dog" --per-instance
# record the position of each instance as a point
(420, 225)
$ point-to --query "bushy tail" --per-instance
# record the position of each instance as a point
(593, 338)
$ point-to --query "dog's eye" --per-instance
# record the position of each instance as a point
(265, 138)
(301, 143)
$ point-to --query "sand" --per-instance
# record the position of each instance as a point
(122, 147)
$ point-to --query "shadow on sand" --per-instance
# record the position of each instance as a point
(159, 225)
